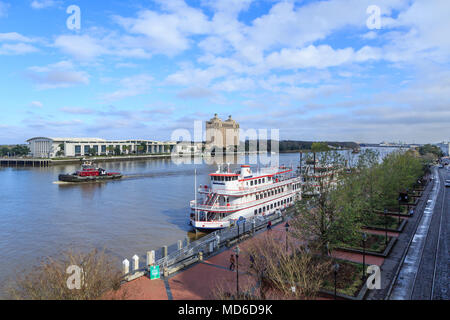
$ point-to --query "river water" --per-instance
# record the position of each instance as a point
(145, 211)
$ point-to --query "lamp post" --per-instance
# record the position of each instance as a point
(336, 269)
(237, 251)
(385, 225)
(239, 236)
(407, 198)
(399, 199)
(287, 230)
(364, 239)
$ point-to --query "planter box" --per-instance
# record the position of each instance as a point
(383, 254)
(394, 213)
(399, 229)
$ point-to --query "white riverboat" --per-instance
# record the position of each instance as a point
(246, 194)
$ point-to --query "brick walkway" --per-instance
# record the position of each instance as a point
(203, 280)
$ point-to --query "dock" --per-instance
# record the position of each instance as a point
(24, 162)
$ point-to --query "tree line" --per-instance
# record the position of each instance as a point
(293, 145)
(18, 150)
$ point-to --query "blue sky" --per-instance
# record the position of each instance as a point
(142, 69)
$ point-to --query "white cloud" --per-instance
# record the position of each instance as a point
(36, 104)
(42, 4)
(200, 77)
(3, 9)
(76, 110)
(426, 23)
(19, 46)
(195, 93)
(16, 49)
(14, 36)
(130, 87)
(167, 32)
(82, 47)
(58, 75)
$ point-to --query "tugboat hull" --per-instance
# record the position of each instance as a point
(76, 178)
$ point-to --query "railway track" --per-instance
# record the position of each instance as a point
(433, 292)
(424, 281)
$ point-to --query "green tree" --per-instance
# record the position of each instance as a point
(142, 147)
(324, 217)
(92, 152)
(429, 148)
(4, 151)
(319, 147)
(398, 172)
(110, 149)
(20, 150)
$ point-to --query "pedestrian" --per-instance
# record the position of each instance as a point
(269, 225)
(232, 262)
(252, 262)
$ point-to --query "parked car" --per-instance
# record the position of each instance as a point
(447, 183)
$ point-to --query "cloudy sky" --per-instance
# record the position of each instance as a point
(315, 70)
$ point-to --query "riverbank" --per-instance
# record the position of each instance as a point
(41, 162)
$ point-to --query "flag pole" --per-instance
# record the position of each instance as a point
(195, 193)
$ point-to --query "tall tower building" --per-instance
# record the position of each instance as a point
(222, 134)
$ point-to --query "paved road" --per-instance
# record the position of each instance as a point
(442, 235)
(424, 272)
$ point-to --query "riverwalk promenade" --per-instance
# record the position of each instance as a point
(200, 281)
(205, 279)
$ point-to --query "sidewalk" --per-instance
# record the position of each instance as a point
(201, 280)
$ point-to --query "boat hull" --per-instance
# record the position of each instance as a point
(75, 178)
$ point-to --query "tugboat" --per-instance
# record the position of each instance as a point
(89, 173)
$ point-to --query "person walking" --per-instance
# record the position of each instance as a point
(232, 262)
(252, 262)
(269, 225)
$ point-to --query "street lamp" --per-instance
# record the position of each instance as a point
(237, 251)
(287, 230)
(385, 225)
(399, 199)
(364, 239)
(336, 269)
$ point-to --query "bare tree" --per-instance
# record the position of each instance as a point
(277, 271)
(51, 279)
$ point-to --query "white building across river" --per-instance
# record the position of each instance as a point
(42, 147)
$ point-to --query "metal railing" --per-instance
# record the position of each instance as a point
(212, 241)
